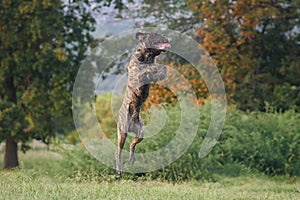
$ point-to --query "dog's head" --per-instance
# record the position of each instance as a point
(153, 42)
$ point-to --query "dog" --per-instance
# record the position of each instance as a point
(142, 71)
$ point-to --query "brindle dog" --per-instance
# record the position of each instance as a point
(142, 71)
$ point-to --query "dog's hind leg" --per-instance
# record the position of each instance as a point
(121, 141)
(139, 131)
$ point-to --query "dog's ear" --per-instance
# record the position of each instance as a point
(139, 36)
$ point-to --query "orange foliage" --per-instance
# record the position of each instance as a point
(182, 78)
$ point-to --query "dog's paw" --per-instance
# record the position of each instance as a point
(119, 169)
(162, 73)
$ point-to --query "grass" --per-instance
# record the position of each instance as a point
(42, 177)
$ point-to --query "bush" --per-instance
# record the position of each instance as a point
(250, 142)
(267, 142)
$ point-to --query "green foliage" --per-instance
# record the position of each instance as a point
(254, 142)
(106, 109)
(42, 46)
(13, 122)
(9, 113)
(267, 142)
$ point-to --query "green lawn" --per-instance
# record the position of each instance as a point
(41, 177)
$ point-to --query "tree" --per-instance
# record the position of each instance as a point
(172, 14)
(191, 80)
(255, 44)
(42, 45)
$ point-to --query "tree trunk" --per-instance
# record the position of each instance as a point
(11, 147)
(11, 154)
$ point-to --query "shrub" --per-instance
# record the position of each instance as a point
(250, 142)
